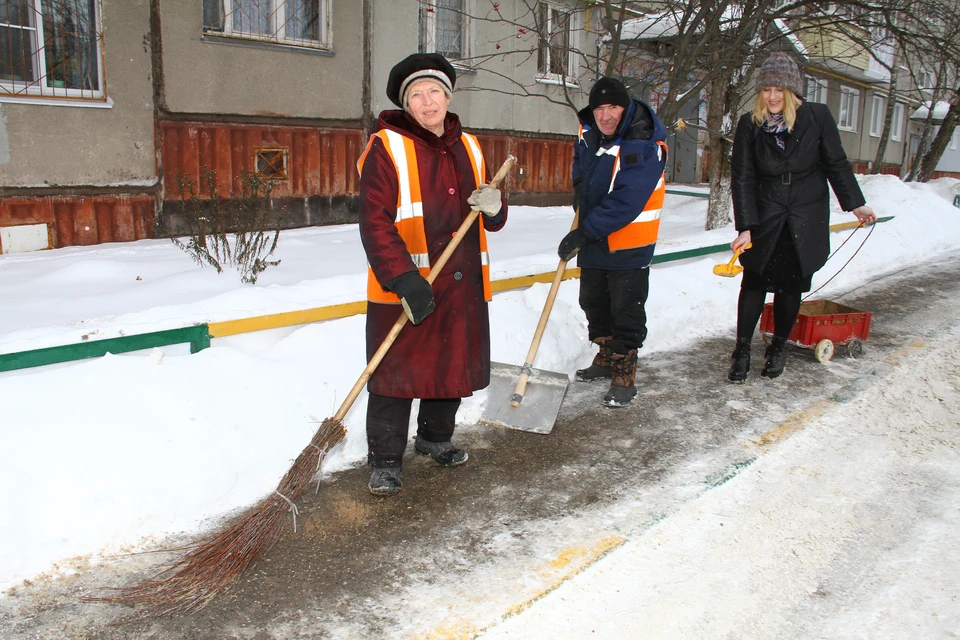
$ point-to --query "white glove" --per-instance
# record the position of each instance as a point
(486, 199)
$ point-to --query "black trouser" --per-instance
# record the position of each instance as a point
(613, 301)
(388, 420)
(786, 306)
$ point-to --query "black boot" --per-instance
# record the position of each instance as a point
(443, 453)
(600, 368)
(740, 361)
(622, 390)
(775, 358)
(385, 481)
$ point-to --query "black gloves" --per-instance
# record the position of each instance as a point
(415, 294)
(572, 243)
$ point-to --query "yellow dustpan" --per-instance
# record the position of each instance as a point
(730, 269)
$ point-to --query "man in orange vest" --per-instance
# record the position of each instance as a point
(618, 185)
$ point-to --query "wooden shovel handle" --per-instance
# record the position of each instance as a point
(521, 388)
(402, 320)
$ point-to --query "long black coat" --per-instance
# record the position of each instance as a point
(773, 186)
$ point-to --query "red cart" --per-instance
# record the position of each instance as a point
(821, 325)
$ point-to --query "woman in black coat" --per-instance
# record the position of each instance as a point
(784, 153)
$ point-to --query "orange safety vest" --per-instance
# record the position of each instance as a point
(409, 220)
(645, 227)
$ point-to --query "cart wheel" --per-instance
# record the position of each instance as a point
(854, 348)
(823, 351)
(765, 337)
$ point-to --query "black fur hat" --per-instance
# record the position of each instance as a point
(420, 66)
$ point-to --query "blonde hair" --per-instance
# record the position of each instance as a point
(790, 104)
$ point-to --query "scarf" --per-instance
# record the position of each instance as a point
(777, 125)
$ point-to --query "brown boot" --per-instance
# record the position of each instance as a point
(622, 390)
(601, 368)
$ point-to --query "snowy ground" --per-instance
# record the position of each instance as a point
(203, 434)
(849, 529)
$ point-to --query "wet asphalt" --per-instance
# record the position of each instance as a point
(458, 548)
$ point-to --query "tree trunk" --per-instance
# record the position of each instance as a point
(932, 157)
(885, 134)
(915, 165)
(718, 209)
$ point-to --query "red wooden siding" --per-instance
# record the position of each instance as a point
(546, 163)
(323, 161)
(83, 220)
(319, 161)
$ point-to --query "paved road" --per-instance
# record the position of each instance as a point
(459, 549)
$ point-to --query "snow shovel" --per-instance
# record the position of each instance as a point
(730, 269)
(543, 390)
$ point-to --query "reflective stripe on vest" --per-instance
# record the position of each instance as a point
(409, 219)
(645, 227)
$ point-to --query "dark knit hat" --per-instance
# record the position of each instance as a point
(780, 70)
(609, 91)
(420, 66)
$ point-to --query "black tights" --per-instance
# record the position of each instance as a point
(786, 306)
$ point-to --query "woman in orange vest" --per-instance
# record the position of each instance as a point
(420, 176)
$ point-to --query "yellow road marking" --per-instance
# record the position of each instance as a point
(566, 565)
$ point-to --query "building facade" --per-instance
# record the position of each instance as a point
(108, 107)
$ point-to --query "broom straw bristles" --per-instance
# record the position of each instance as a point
(218, 560)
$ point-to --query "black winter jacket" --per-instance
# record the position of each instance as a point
(773, 186)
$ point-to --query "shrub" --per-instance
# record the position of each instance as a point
(239, 231)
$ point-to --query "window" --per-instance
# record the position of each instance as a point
(953, 139)
(877, 116)
(554, 46)
(443, 28)
(270, 163)
(50, 48)
(849, 101)
(896, 127)
(301, 23)
(924, 79)
(816, 89)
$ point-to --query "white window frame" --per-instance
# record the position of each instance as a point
(277, 25)
(427, 32)
(877, 114)
(816, 89)
(849, 105)
(546, 77)
(896, 126)
(41, 90)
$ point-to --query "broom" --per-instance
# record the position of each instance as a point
(216, 561)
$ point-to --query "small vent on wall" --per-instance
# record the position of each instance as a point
(271, 163)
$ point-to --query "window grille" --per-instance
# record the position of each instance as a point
(553, 51)
(50, 48)
(443, 28)
(271, 163)
(299, 23)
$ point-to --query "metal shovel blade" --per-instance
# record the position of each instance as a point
(541, 401)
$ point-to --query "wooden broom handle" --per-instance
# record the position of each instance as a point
(402, 320)
(538, 334)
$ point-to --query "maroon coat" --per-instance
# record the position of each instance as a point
(448, 354)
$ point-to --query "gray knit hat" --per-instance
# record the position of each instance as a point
(779, 70)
